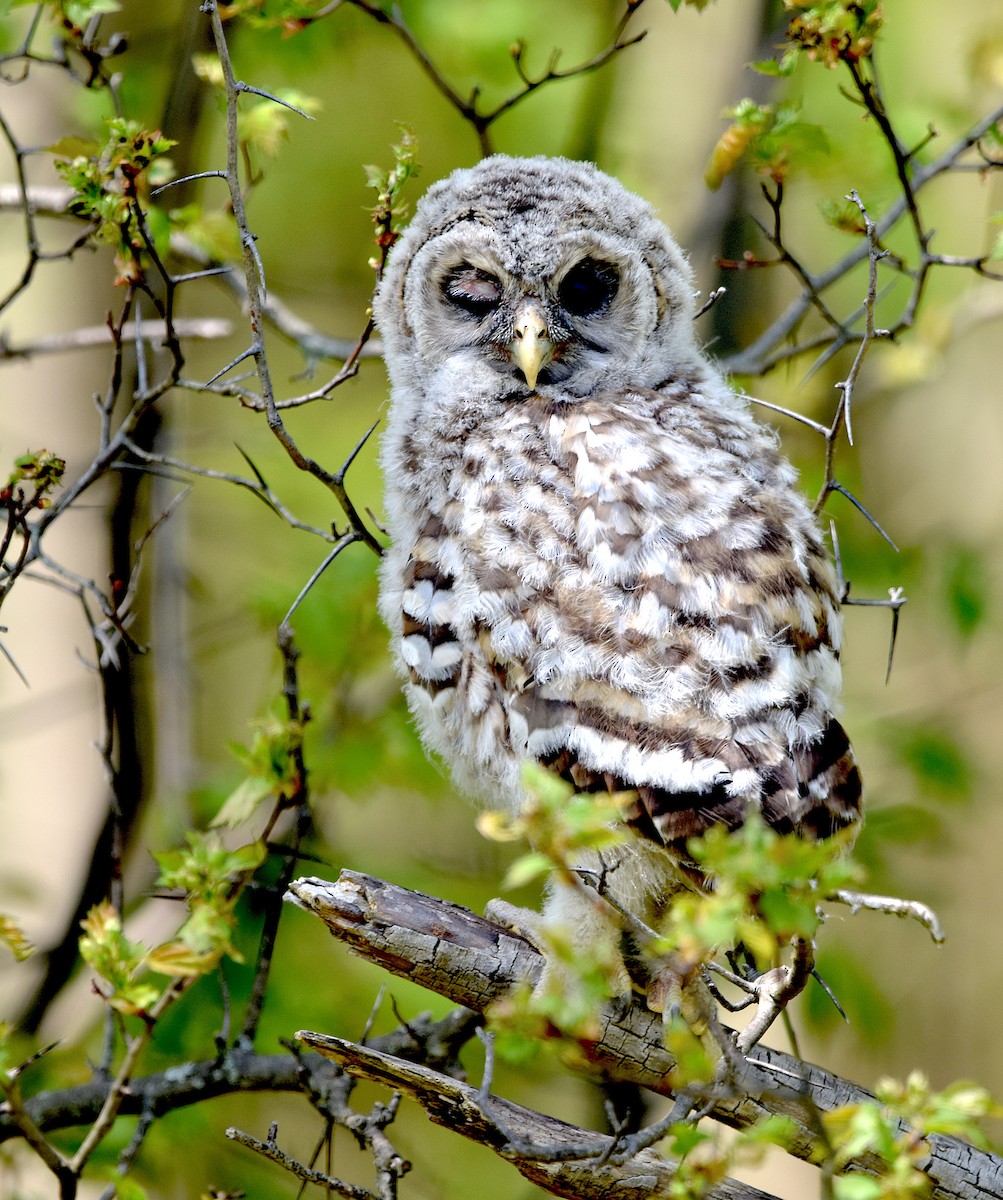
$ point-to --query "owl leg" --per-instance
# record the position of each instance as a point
(576, 934)
(526, 922)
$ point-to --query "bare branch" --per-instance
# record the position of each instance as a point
(256, 293)
(763, 354)
(270, 1149)
(481, 121)
(503, 1126)
(473, 962)
(891, 904)
(100, 336)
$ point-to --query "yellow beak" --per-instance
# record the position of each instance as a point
(531, 348)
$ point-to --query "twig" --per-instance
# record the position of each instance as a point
(481, 121)
(763, 356)
(842, 419)
(269, 1149)
(236, 1071)
(256, 293)
(893, 905)
(196, 329)
(298, 714)
(113, 1100)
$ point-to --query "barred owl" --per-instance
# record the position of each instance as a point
(599, 560)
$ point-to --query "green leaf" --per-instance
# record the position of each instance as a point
(127, 1189)
(787, 914)
(177, 958)
(843, 215)
(74, 146)
(774, 1130)
(968, 586)
(12, 936)
(856, 1187)
(115, 959)
(780, 68)
(527, 869)
(686, 1137)
(242, 802)
(543, 785)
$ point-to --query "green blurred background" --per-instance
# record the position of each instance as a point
(928, 462)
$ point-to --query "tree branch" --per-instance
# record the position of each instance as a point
(473, 962)
(238, 1070)
(502, 1125)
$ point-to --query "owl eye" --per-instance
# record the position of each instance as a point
(588, 287)
(473, 290)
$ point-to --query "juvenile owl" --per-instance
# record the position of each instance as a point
(599, 560)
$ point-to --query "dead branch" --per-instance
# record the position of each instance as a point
(498, 1123)
(473, 962)
(238, 1070)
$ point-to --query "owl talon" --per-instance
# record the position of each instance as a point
(522, 921)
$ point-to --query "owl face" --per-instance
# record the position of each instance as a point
(536, 275)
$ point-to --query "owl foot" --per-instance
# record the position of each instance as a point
(691, 1022)
(570, 942)
(526, 922)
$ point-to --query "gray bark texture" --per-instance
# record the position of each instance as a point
(474, 962)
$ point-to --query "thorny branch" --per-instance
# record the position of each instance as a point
(256, 293)
(544, 1150)
(774, 346)
(314, 344)
(270, 1149)
(298, 714)
(841, 420)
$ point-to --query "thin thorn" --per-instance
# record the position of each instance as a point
(340, 477)
(248, 353)
(795, 416)
(17, 670)
(246, 87)
(346, 540)
(896, 610)
(838, 487)
(831, 994)
(187, 179)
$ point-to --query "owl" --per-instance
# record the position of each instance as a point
(599, 560)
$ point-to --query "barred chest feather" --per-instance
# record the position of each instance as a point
(629, 589)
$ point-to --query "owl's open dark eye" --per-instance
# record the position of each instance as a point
(588, 287)
(473, 290)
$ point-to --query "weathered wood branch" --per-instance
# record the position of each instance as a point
(492, 1121)
(473, 962)
(236, 1071)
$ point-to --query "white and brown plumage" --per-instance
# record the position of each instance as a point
(599, 561)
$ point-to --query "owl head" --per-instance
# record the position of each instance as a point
(543, 275)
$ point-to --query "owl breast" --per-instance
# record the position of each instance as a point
(629, 590)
